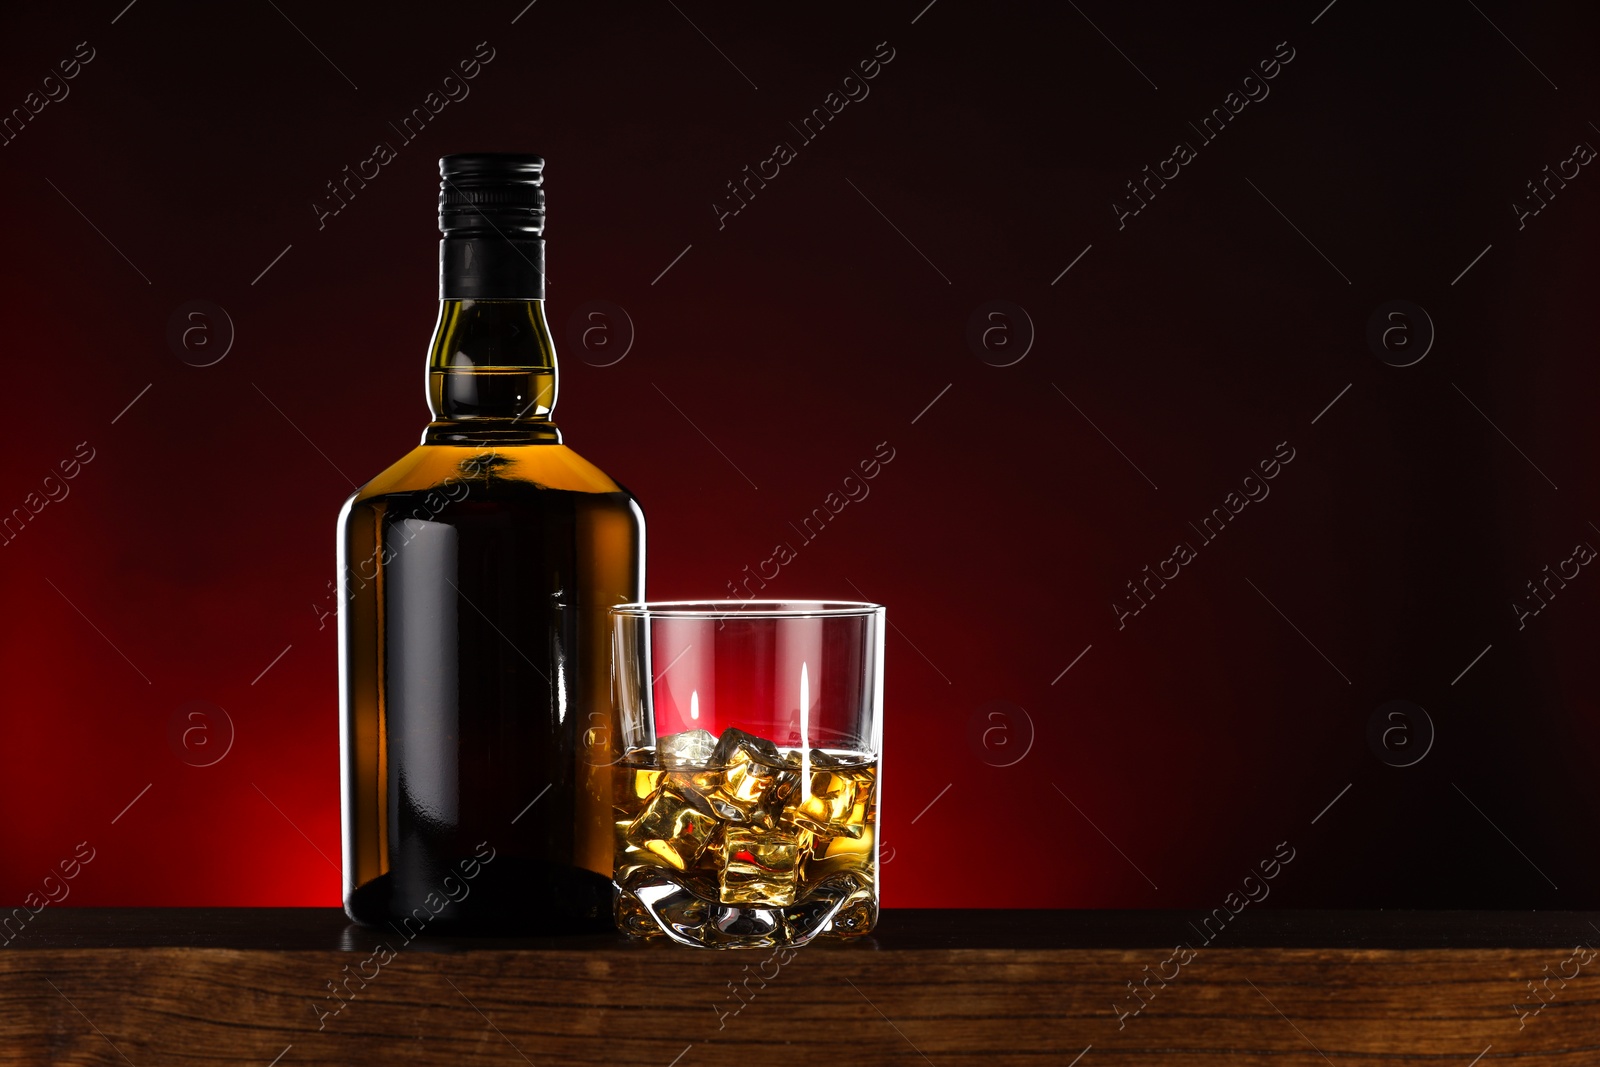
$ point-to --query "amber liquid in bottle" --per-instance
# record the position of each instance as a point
(476, 576)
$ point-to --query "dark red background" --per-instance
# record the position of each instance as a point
(1176, 752)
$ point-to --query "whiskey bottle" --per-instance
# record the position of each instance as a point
(475, 578)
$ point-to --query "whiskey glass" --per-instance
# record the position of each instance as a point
(746, 794)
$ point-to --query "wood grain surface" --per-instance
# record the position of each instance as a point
(251, 986)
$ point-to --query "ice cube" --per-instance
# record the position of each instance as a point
(837, 801)
(639, 782)
(750, 765)
(733, 740)
(785, 787)
(745, 769)
(833, 855)
(760, 867)
(827, 806)
(691, 748)
(731, 812)
(696, 786)
(672, 828)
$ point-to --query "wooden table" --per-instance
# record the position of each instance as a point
(151, 987)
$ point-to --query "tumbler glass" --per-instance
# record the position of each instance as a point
(746, 795)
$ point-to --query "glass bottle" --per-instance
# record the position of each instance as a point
(475, 578)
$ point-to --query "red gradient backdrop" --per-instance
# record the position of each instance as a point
(190, 559)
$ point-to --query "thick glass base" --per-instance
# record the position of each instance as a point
(650, 902)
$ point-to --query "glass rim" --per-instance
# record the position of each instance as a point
(747, 609)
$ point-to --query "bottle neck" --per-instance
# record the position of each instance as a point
(491, 374)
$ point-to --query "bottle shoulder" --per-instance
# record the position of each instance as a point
(546, 466)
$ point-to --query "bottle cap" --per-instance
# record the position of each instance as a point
(482, 194)
(491, 212)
